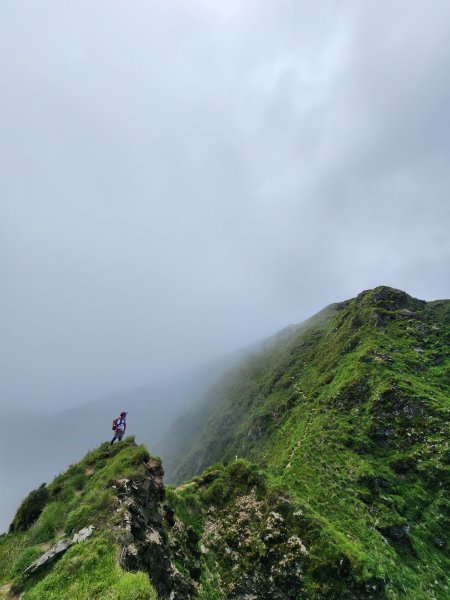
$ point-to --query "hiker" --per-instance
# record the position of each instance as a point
(119, 426)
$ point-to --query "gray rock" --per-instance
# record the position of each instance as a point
(58, 550)
(55, 552)
(83, 534)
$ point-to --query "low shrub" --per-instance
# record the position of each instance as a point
(30, 509)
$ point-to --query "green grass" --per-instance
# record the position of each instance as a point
(357, 405)
(90, 570)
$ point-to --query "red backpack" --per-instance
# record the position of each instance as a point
(114, 423)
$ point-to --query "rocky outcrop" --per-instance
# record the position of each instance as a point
(258, 552)
(145, 532)
(250, 544)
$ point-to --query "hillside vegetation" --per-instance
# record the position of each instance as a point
(80, 497)
(317, 469)
(350, 414)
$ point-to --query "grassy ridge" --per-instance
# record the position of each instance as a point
(79, 497)
(350, 415)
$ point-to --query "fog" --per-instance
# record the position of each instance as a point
(34, 448)
(180, 179)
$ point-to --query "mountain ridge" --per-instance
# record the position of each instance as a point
(356, 406)
(318, 468)
(314, 326)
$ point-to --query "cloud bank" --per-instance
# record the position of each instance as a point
(178, 179)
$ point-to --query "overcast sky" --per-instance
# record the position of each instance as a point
(181, 178)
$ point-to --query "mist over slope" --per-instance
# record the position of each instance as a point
(382, 337)
(54, 439)
(36, 446)
(180, 443)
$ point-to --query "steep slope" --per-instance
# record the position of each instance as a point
(222, 410)
(350, 415)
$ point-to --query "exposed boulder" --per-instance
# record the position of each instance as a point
(58, 550)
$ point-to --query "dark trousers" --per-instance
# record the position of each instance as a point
(117, 436)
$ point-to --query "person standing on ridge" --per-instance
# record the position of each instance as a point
(119, 426)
